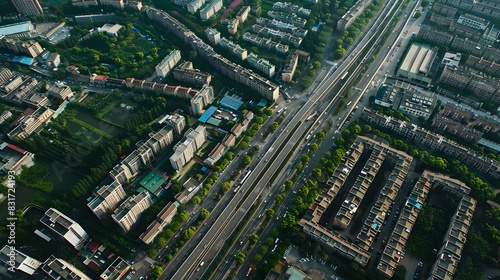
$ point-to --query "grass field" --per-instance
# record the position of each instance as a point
(100, 127)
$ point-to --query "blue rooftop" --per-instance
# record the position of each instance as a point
(231, 102)
(208, 113)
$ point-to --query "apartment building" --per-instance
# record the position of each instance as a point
(19, 261)
(176, 91)
(421, 136)
(60, 269)
(142, 156)
(282, 26)
(473, 21)
(168, 63)
(186, 73)
(465, 31)
(265, 43)
(163, 219)
(291, 8)
(176, 122)
(202, 99)
(31, 123)
(232, 25)
(434, 35)
(481, 86)
(65, 228)
(261, 64)
(129, 211)
(288, 18)
(394, 249)
(235, 49)
(60, 91)
(243, 13)
(310, 222)
(216, 154)
(489, 8)
(106, 199)
(189, 144)
(5, 116)
(213, 35)
(234, 71)
(116, 270)
(450, 253)
(211, 9)
(158, 141)
(274, 33)
(289, 67)
(444, 10)
(30, 48)
(194, 5)
(115, 3)
(84, 3)
(54, 60)
(136, 5)
(28, 7)
(483, 65)
(191, 188)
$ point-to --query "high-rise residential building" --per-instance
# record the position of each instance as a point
(186, 73)
(168, 63)
(131, 209)
(106, 199)
(201, 99)
(28, 7)
(65, 227)
(261, 64)
(185, 149)
(211, 9)
(31, 47)
(177, 122)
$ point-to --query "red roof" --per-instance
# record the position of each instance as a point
(94, 246)
(16, 148)
(93, 265)
(100, 77)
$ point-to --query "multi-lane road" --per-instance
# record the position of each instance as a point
(208, 241)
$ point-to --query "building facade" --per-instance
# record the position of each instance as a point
(129, 212)
(168, 64)
(28, 7)
(106, 199)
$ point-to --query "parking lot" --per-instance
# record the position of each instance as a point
(316, 269)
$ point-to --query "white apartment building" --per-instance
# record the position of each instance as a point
(168, 64)
(211, 9)
(185, 149)
(131, 209)
(201, 99)
(106, 199)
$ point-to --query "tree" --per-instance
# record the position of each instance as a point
(225, 187)
(257, 258)
(259, 120)
(399, 273)
(204, 213)
(246, 159)
(274, 126)
(339, 53)
(196, 200)
(288, 184)
(317, 64)
(424, 3)
(267, 111)
(269, 213)
(156, 271)
(316, 173)
(162, 242)
(240, 257)
(253, 238)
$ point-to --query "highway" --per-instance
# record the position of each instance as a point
(210, 239)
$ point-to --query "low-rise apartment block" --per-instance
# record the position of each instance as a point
(450, 253)
(434, 35)
(30, 48)
(291, 8)
(136, 5)
(464, 78)
(116, 270)
(202, 99)
(232, 70)
(194, 5)
(84, 3)
(282, 26)
(60, 91)
(115, 3)
(5, 116)
(261, 64)
(211, 9)
(243, 13)
(274, 33)
(31, 123)
(19, 261)
(212, 35)
(105, 200)
(170, 90)
(265, 43)
(65, 228)
(444, 10)
(288, 18)
(232, 25)
(289, 68)
(350, 16)
(434, 141)
(235, 49)
(186, 73)
(163, 219)
(177, 122)
(129, 212)
(189, 144)
(191, 187)
(168, 63)
(394, 250)
(60, 269)
(483, 65)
